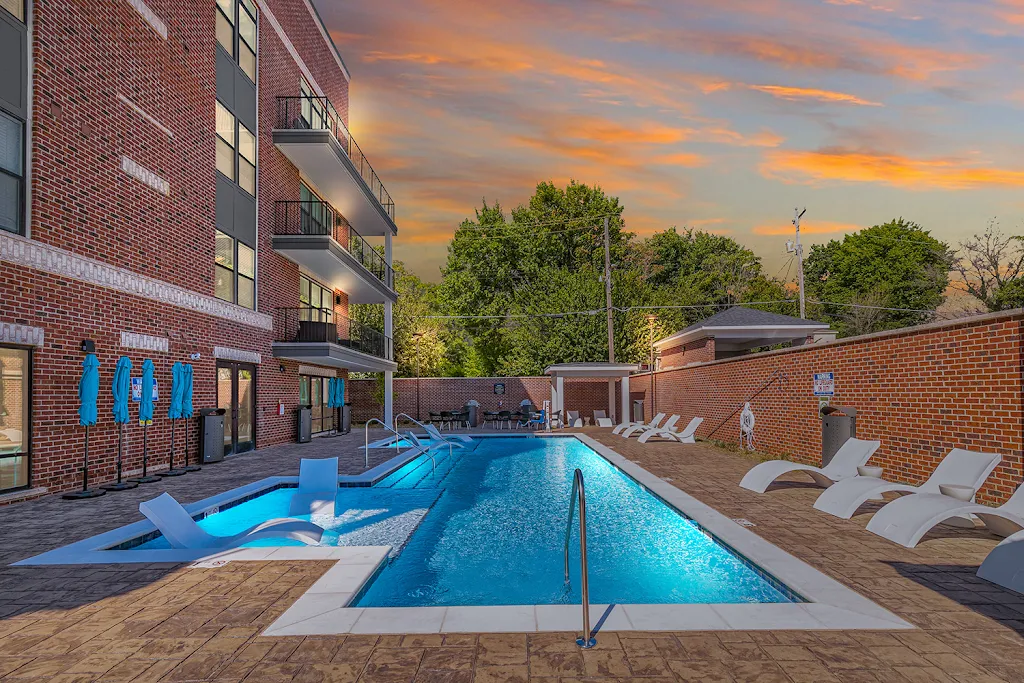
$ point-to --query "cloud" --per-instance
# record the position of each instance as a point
(841, 164)
(794, 94)
(806, 227)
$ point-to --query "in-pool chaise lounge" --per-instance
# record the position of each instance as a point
(457, 440)
(907, 519)
(642, 425)
(318, 487)
(960, 468)
(844, 464)
(182, 532)
(1004, 566)
(686, 435)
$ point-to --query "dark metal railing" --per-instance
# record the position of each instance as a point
(305, 324)
(319, 218)
(311, 112)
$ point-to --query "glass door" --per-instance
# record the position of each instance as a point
(236, 394)
(15, 402)
(313, 392)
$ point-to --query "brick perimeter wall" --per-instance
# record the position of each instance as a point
(921, 391)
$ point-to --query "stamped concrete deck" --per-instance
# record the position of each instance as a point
(173, 623)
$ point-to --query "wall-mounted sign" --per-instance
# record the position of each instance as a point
(137, 390)
(499, 388)
(824, 384)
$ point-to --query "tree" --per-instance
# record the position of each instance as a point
(897, 265)
(990, 262)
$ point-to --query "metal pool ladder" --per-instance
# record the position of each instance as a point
(420, 450)
(587, 641)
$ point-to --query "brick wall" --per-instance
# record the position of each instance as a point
(697, 351)
(921, 391)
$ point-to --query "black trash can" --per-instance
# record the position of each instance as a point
(211, 434)
(346, 418)
(638, 410)
(304, 424)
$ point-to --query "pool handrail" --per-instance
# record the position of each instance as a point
(366, 447)
(578, 493)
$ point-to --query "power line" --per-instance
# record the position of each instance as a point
(532, 234)
(535, 224)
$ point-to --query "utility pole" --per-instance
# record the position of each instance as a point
(798, 249)
(608, 293)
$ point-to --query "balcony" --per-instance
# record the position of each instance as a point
(312, 135)
(321, 336)
(310, 234)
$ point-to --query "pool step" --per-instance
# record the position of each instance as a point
(421, 473)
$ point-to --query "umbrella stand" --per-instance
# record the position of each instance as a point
(145, 478)
(187, 467)
(86, 492)
(120, 485)
(171, 472)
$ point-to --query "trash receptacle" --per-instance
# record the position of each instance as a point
(346, 418)
(473, 408)
(304, 426)
(838, 423)
(211, 434)
(638, 410)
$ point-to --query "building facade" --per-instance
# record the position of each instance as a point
(178, 183)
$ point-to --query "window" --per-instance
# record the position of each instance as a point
(317, 112)
(235, 271)
(15, 398)
(236, 150)
(236, 32)
(15, 7)
(12, 181)
(318, 218)
(317, 299)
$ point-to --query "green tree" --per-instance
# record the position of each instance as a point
(894, 265)
(990, 262)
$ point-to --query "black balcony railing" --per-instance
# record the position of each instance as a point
(306, 324)
(310, 112)
(319, 218)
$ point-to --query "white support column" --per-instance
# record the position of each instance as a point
(554, 398)
(561, 396)
(389, 376)
(625, 398)
(611, 402)
(389, 409)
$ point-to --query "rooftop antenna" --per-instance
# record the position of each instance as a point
(798, 249)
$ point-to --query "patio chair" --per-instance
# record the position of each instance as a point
(686, 435)
(959, 467)
(1004, 566)
(318, 487)
(492, 417)
(533, 420)
(574, 419)
(461, 418)
(505, 417)
(601, 419)
(446, 419)
(182, 532)
(434, 417)
(906, 520)
(626, 429)
(851, 455)
(637, 427)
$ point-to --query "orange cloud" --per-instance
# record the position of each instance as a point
(681, 159)
(889, 169)
(794, 94)
(806, 227)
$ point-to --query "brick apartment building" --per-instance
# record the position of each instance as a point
(177, 178)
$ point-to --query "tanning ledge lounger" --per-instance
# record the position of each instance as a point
(318, 487)
(844, 464)
(640, 427)
(1004, 566)
(960, 467)
(622, 428)
(907, 519)
(457, 440)
(182, 532)
(686, 435)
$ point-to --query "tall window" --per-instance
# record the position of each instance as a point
(12, 178)
(236, 150)
(318, 218)
(235, 271)
(317, 299)
(15, 378)
(236, 32)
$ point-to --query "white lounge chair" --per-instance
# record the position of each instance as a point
(670, 425)
(633, 427)
(686, 435)
(961, 467)
(621, 427)
(601, 419)
(457, 440)
(318, 487)
(181, 531)
(574, 419)
(844, 464)
(1004, 566)
(907, 519)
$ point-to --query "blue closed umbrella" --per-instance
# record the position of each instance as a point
(121, 389)
(332, 392)
(340, 400)
(177, 391)
(186, 412)
(88, 391)
(146, 401)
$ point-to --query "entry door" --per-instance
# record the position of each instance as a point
(236, 394)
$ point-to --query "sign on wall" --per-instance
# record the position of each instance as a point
(499, 388)
(824, 384)
(137, 390)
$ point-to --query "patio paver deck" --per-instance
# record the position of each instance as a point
(154, 622)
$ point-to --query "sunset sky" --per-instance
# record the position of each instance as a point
(720, 115)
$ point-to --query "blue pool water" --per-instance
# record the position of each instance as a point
(487, 527)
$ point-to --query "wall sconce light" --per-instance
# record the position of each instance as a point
(88, 346)
(281, 368)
